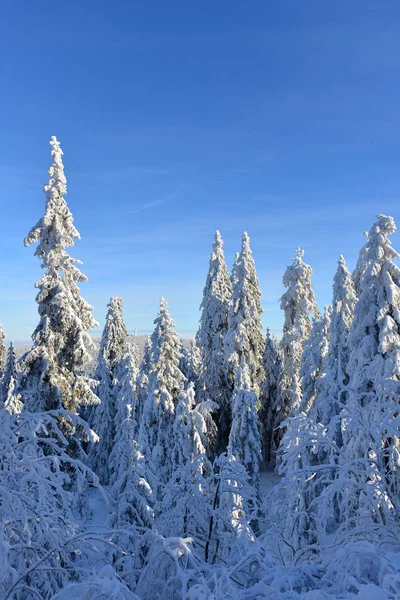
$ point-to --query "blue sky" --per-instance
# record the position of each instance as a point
(179, 118)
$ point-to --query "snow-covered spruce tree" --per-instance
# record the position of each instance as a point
(269, 395)
(12, 403)
(330, 399)
(244, 339)
(131, 491)
(3, 350)
(371, 433)
(129, 487)
(143, 378)
(111, 349)
(315, 350)
(52, 369)
(244, 438)
(298, 521)
(233, 506)
(164, 385)
(299, 305)
(213, 383)
(114, 335)
(184, 509)
(9, 373)
(125, 422)
(362, 263)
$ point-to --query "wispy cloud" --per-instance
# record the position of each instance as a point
(156, 202)
(146, 206)
(134, 171)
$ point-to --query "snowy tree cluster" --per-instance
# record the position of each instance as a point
(241, 467)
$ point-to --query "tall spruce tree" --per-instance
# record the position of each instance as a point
(53, 368)
(331, 396)
(165, 379)
(299, 305)
(374, 369)
(111, 349)
(269, 396)
(244, 339)
(213, 383)
(244, 438)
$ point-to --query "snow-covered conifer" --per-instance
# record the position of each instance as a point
(374, 366)
(9, 373)
(234, 505)
(244, 438)
(269, 395)
(362, 263)
(298, 304)
(329, 401)
(184, 509)
(111, 349)
(143, 378)
(189, 429)
(132, 493)
(52, 368)
(3, 350)
(303, 450)
(313, 360)
(125, 422)
(213, 384)
(164, 385)
(12, 403)
(244, 339)
(114, 335)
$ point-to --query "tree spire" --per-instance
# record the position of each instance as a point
(107, 373)
(165, 379)
(298, 304)
(374, 364)
(52, 368)
(213, 383)
(244, 340)
(330, 398)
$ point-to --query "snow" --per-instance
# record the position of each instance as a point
(268, 479)
(99, 507)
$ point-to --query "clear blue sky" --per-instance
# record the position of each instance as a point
(178, 118)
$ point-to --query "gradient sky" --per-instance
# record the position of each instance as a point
(179, 118)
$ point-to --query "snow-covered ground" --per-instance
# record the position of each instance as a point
(268, 479)
(99, 507)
